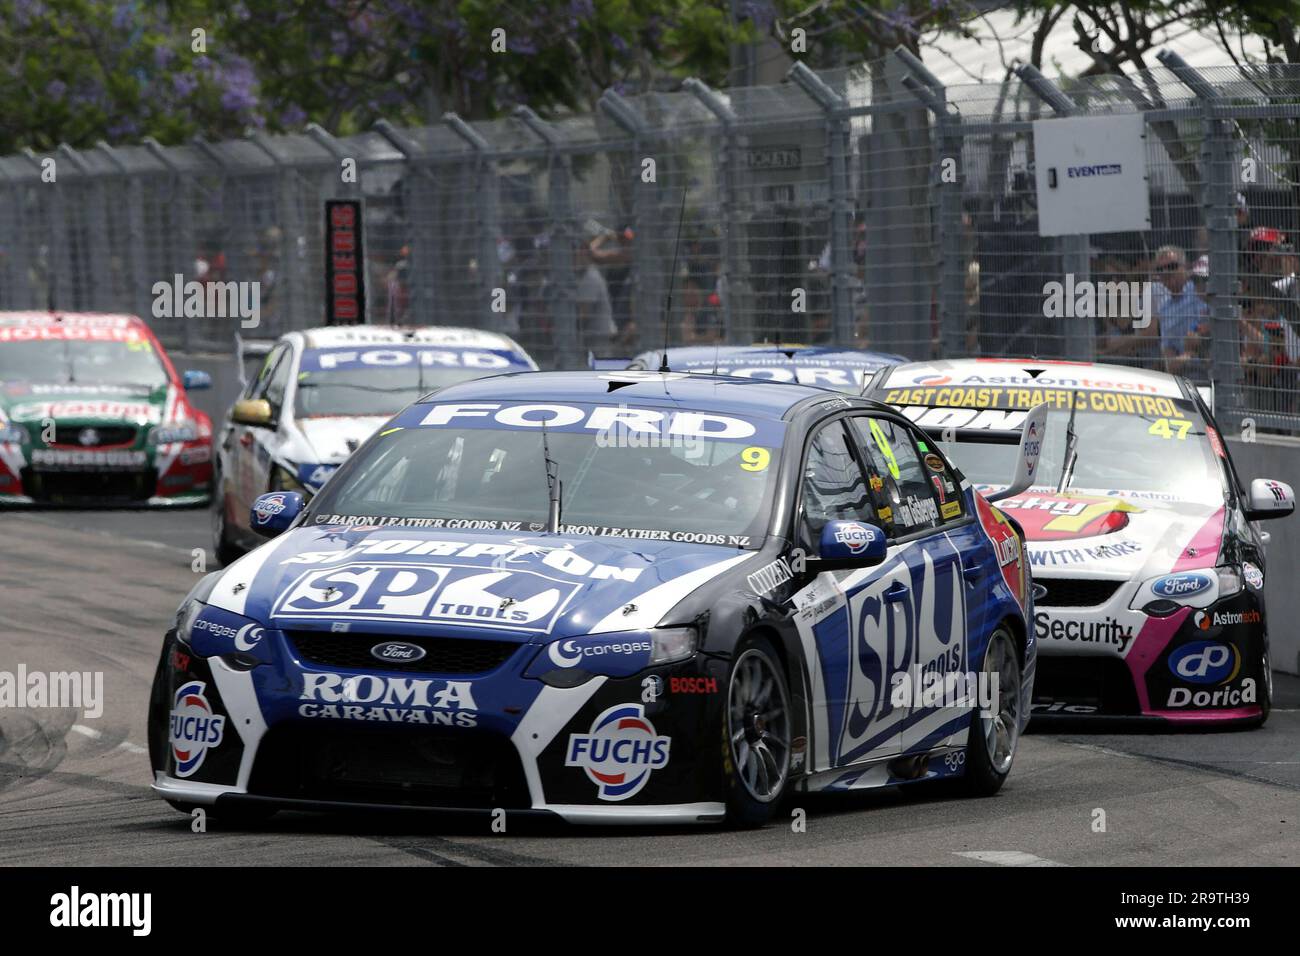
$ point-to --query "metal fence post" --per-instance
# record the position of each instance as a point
(138, 295)
(1218, 199)
(564, 312)
(421, 207)
(489, 221)
(19, 292)
(737, 310)
(92, 239)
(834, 107)
(58, 259)
(292, 273)
(1080, 338)
(182, 218)
(647, 286)
(925, 86)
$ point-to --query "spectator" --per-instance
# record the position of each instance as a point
(612, 253)
(1119, 341)
(596, 328)
(1270, 353)
(1182, 316)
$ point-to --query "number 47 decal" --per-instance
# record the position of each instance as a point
(1166, 428)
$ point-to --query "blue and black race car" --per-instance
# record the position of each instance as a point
(625, 596)
(842, 369)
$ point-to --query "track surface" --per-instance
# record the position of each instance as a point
(95, 591)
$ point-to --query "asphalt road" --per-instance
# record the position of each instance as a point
(95, 591)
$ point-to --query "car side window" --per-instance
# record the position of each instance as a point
(834, 487)
(944, 480)
(906, 501)
(257, 387)
(278, 381)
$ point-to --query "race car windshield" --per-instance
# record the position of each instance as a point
(371, 391)
(469, 474)
(1116, 452)
(78, 362)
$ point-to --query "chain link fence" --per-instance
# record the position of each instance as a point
(868, 207)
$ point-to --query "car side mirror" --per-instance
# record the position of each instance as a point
(846, 545)
(274, 512)
(193, 379)
(252, 411)
(1269, 499)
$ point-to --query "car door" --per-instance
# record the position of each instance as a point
(846, 616)
(918, 504)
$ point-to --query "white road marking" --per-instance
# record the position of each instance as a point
(1009, 858)
(94, 734)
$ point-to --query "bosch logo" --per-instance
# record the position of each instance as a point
(1182, 585)
(855, 537)
(397, 651)
(620, 752)
(1205, 662)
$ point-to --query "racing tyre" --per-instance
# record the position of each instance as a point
(1265, 692)
(226, 551)
(992, 739)
(756, 726)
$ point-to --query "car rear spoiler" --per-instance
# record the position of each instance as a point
(246, 349)
(607, 363)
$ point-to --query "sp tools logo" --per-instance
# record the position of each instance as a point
(620, 752)
(428, 593)
(194, 728)
(1205, 662)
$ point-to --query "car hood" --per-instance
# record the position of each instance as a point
(1117, 534)
(332, 439)
(489, 584)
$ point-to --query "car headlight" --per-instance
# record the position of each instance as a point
(166, 436)
(668, 644)
(13, 435)
(1229, 580)
(185, 617)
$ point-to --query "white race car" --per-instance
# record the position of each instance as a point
(1139, 528)
(319, 394)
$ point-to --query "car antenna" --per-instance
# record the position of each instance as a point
(554, 487)
(672, 277)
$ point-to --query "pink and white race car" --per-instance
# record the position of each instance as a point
(1142, 538)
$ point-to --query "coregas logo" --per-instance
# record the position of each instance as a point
(620, 752)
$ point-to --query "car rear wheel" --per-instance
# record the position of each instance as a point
(993, 737)
(757, 728)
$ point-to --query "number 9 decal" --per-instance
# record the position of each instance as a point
(754, 458)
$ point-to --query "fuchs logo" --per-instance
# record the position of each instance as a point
(397, 651)
(268, 507)
(856, 537)
(620, 751)
(429, 593)
(1182, 585)
(194, 728)
(1205, 662)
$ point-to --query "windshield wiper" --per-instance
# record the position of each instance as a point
(1071, 446)
(554, 487)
